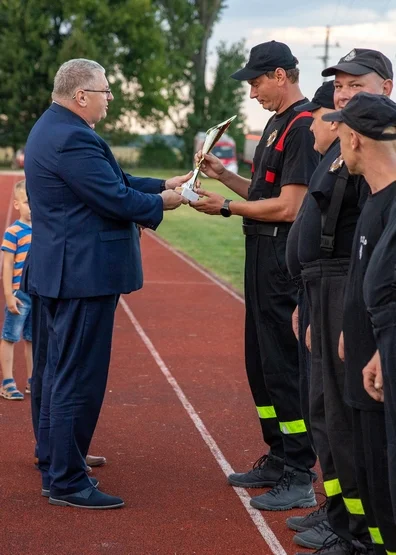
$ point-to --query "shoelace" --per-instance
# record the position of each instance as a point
(330, 543)
(354, 548)
(283, 483)
(260, 462)
(322, 527)
(322, 509)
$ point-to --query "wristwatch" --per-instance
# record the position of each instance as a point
(225, 209)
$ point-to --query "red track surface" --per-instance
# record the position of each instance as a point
(176, 495)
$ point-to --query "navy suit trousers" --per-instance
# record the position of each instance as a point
(73, 386)
(40, 348)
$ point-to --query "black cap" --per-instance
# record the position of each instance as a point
(368, 114)
(361, 61)
(323, 98)
(264, 57)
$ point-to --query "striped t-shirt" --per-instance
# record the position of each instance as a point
(17, 239)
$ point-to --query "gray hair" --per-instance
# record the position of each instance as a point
(75, 74)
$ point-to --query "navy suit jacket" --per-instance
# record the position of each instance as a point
(85, 242)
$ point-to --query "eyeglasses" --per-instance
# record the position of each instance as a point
(107, 91)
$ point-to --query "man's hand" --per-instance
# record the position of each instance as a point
(372, 378)
(13, 303)
(177, 181)
(308, 338)
(295, 322)
(341, 352)
(172, 200)
(210, 203)
(211, 166)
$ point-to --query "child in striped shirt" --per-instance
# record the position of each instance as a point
(17, 320)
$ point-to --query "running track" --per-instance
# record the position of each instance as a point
(177, 418)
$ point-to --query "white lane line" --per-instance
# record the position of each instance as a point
(196, 267)
(8, 222)
(255, 515)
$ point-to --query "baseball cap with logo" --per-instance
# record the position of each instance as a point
(361, 61)
(371, 115)
(265, 57)
(323, 98)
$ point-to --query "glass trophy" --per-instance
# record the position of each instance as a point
(211, 137)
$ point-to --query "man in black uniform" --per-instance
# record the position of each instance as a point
(325, 240)
(379, 294)
(283, 164)
(324, 273)
(361, 130)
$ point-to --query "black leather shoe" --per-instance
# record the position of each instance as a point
(89, 498)
(45, 491)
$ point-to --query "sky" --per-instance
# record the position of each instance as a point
(302, 25)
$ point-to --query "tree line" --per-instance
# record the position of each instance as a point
(154, 51)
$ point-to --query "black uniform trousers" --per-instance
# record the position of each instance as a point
(271, 352)
(370, 444)
(331, 418)
(304, 358)
(384, 321)
(79, 343)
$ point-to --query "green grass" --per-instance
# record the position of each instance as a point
(213, 241)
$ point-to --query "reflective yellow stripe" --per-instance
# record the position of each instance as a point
(376, 536)
(293, 427)
(266, 412)
(354, 506)
(391, 553)
(332, 487)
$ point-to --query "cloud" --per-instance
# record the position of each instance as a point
(366, 26)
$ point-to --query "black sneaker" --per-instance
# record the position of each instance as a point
(338, 546)
(266, 472)
(302, 523)
(294, 489)
(316, 537)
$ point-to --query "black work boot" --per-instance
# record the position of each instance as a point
(302, 523)
(266, 472)
(338, 546)
(294, 489)
(316, 537)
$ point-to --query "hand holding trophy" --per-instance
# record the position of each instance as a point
(212, 136)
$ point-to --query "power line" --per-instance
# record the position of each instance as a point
(327, 46)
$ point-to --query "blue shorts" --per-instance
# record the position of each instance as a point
(17, 325)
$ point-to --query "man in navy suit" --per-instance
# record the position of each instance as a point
(85, 252)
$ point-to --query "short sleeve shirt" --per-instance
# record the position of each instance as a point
(379, 286)
(297, 161)
(319, 197)
(359, 339)
(17, 239)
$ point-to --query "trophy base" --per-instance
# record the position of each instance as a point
(189, 194)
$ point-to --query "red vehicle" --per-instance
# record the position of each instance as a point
(224, 149)
(19, 159)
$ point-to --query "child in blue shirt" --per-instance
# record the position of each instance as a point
(17, 321)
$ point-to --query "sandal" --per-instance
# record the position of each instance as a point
(8, 390)
(28, 388)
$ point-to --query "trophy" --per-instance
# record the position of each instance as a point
(211, 137)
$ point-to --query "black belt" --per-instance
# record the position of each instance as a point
(270, 230)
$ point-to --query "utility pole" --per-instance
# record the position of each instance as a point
(327, 46)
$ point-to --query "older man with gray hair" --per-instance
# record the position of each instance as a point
(85, 253)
